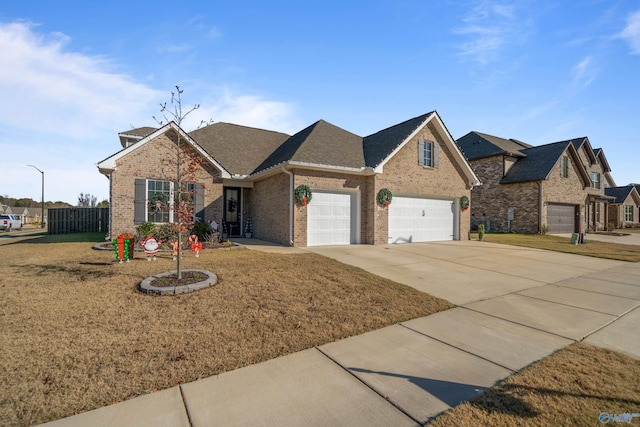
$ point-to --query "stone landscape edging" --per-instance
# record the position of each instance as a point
(147, 287)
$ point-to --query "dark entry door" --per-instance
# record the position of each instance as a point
(232, 209)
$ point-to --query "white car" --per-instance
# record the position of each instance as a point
(10, 222)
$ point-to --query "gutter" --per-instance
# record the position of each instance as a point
(284, 169)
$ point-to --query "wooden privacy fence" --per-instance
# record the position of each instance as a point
(78, 220)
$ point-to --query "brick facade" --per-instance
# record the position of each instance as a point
(155, 160)
(492, 199)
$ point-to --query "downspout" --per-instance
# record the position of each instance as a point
(539, 206)
(284, 169)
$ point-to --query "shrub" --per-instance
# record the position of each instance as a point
(480, 231)
(145, 229)
(167, 233)
(202, 230)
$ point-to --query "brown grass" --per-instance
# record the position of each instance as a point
(76, 334)
(569, 388)
(563, 244)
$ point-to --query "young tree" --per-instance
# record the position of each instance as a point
(186, 165)
(87, 200)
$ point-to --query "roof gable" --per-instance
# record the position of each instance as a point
(477, 145)
(108, 165)
(240, 149)
(380, 147)
(540, 161)
(622, 193)
(134, 135)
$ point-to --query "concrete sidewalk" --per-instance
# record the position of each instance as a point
(516, 306)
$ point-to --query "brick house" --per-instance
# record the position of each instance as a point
(248, 172)
(624, 209)
(558, 187)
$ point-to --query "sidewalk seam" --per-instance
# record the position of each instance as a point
(458, 348)
(184, 403)
(569, 305)
(386, 399)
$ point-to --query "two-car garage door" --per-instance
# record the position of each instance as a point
(414, 219)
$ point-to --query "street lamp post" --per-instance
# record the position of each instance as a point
(42, 200)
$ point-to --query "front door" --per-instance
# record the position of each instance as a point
(232, 209)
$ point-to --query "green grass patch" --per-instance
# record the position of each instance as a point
(563, 244)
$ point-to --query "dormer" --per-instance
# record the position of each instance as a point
(508, 162)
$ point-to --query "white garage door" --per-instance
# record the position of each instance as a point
(331, 219)
(421, 220)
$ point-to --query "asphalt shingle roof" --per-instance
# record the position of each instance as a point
(239, 149)
(322, 144)
(477, 145)
(378, 146)
(537, 164)
(620, 193)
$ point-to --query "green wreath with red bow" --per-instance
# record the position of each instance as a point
(385, 197)
(464, 203)
(303, 194)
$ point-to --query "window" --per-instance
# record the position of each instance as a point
(157, 200)
(595, 180)
(564, 167)
(628, 213)
(428, 153)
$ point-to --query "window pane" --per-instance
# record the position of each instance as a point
(158, 200)
(427, 153)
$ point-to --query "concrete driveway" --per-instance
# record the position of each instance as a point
(467, 271)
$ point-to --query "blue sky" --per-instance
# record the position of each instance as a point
(73, 75)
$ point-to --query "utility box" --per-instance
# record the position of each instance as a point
(511, 214)
(574, 238)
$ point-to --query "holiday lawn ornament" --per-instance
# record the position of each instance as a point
(195, 246)
(123, 247)
(151, 247)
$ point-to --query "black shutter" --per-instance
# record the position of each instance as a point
(198, 202)
(140, 201)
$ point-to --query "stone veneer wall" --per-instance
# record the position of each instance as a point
(405, 177)
(155, 160)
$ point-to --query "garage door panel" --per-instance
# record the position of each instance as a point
(561, 218)
(331, 219)
(421, 220)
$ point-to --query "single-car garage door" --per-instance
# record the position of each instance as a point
(414, 219)
(561, 218)
(332, 219)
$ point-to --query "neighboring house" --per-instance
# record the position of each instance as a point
(21, 212)
(248, 172)
(556, 187)
(4, 209)
(623, 210)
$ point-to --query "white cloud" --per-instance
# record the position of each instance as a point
(489, 26)
(584, 73)
(631, 32)
(246, 110)
(66, 93)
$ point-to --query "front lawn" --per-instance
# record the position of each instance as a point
(76, 334)
(563, 244)
(573, 387)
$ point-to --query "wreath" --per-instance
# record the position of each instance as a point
(158, 201)
(303, 194)
(231, 205)
(384, 197)
(464, 203)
